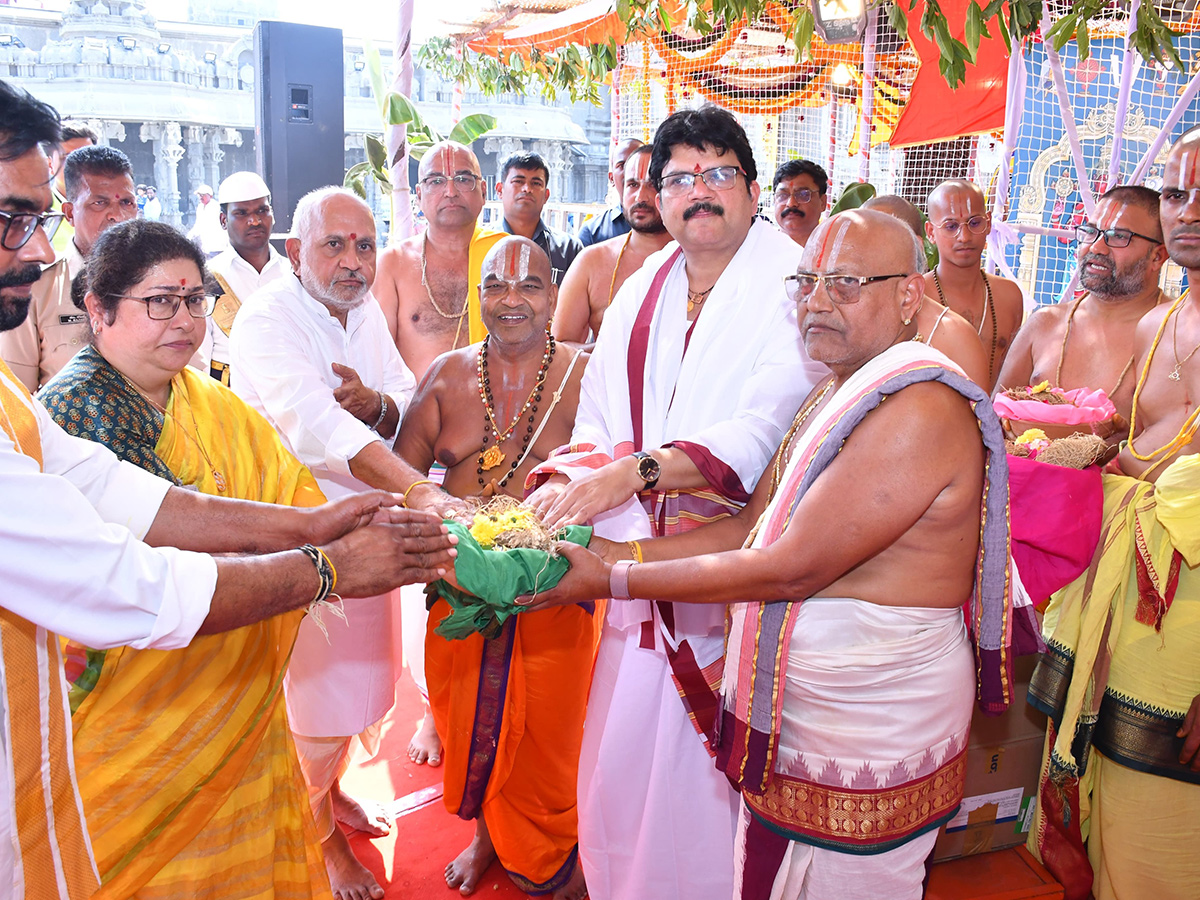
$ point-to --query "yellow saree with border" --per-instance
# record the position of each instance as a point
(185, 760)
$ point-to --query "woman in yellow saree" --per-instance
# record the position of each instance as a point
(186, 767)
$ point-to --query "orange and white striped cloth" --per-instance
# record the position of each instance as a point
(43, 837)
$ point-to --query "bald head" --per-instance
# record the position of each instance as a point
(447, 158)
(955, 193)
(842, 242)
(958, 223)
(896, 206)
(617, 159)
(517, 292)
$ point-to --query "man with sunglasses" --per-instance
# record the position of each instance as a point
(72, 564)
(799, 190)
(1087, 342)
(99, 193)
(959, 224)
(427, 285)
(692, 382)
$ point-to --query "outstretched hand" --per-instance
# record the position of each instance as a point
(331, 520)
(587, 579)
(401, 546)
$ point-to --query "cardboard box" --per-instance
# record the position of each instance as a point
(1004, 755)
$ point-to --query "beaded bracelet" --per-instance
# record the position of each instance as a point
(383, 408)
(325, 572)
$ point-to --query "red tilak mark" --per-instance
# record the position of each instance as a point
(183, 282)
(824, 247)
(353, 238)
(696, 171)
(448, 161)
(512, 263)
(1192, 173)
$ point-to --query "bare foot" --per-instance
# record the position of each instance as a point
(370, 819)
(574, 889)
(426, 746)
(349, 878)
(468, 867)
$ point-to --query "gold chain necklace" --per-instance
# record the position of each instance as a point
(429, 293)
(218, 477)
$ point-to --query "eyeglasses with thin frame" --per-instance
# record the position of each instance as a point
(1114, 237)
(719, 178)
(164, 306)
(19, 227)
(842, 289)
(975, 225)
(800, 195)
(465, 182)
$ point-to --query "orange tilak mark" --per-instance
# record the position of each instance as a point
(824, 247)
(512, 263)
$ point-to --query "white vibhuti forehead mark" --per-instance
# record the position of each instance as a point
(836, 249)
(523, 265)
(1113, 215)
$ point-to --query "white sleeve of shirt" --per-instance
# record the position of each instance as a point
(70, 555)
(270, 355)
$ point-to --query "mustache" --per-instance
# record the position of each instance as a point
(1098, 259)
(21, 277)
(644, 207)
(703, 206)
(792, 211)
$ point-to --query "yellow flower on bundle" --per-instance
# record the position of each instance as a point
(487, 526)
(1040, 388)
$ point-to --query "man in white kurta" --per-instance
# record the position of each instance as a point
(313, 353)
(246, 265)
(693, 380)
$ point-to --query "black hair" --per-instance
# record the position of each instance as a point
(25, 122)
(124, 253)
(794, 167)
(73, 131)
(1140, 196)
(706, 128)
(93, 160)
(525, 162)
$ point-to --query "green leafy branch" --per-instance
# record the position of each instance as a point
(576, 71)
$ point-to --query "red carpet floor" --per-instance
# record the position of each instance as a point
(410, 861)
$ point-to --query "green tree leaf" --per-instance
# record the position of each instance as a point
(472, 127)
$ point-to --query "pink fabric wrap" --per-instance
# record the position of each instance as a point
(1086, 408)
(1055, 514)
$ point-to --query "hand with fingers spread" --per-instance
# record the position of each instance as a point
(1190, 732)
(402, 546)
(587, 579)
(594, 493)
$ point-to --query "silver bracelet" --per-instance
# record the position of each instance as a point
(383, 408)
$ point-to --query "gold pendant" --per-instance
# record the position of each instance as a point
(220, 480)
(1174, 376)
(491, 458)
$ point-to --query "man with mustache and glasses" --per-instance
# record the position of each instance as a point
(1087, 342)
(694, 379)
(312, 352)
(601, 269)
(959, 224)
(250, 262)
(1119, 677)
(799, 187)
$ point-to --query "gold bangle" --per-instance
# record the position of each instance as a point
(635, 548)
(404, 501)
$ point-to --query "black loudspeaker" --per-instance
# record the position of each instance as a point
(299, 112)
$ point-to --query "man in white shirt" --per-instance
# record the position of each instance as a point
(153, 208)
(72, 564)
(313, 353)
(250, 262)
(208, 231)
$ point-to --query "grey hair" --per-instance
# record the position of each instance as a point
(305, 217)
(920, 261)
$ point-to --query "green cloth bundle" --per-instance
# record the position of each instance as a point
(492, 579)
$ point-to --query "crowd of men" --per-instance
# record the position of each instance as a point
(757, 680)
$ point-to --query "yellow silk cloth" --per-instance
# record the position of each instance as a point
(1102, 624)
(185, 760)
(510, 714)
(481, 242)
(49, 830)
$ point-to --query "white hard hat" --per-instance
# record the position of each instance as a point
(242, 186)
(203, 189)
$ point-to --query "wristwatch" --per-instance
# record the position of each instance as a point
(648, 469)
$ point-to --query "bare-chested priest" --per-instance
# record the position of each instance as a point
(427, 289)
(846, 706)
(524, 389)
(1087, 342)
(959, 224)
(426, 285)
(1119, 677)
(601, 269)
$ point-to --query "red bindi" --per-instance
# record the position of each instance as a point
(353, 238)
(696, 171)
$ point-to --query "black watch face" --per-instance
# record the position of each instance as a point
(648, 468)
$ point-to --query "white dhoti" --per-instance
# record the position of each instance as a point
(875, 698)
(656, 817)
(414, 618)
